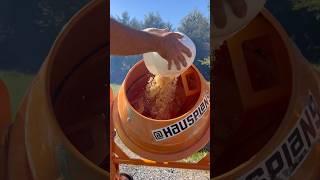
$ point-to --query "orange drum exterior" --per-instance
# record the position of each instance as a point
(5, 121)
(5, 111)
(291, 151)
(61, 128)
(111, 96)
(139, 133)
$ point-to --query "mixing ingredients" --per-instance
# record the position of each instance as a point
(160, 99)
(160, 96)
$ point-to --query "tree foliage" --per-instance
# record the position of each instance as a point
(28, 29)
(125, 19)
(310, 5)
(52, 15)
(151, 19)
(301, 25)
(154, 20)
(196, 27)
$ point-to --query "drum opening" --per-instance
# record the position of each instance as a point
(77, 84)
(80, 108)
(138, 82)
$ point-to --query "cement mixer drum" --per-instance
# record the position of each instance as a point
(168, 139)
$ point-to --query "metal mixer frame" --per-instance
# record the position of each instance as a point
(118, 157)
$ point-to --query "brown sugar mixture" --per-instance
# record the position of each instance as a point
(158, 97)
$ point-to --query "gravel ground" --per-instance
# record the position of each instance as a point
(152, 173)
(158, 173)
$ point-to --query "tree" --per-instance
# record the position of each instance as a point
(197, 28)
(154, 20)
(50, 16)
(28, 29)
(301, 25)
(310, 5)
(313, 4)
(125, 19)
(134, 23)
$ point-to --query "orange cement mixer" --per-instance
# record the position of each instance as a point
(267, 116)
(163, 140)
(60, 131)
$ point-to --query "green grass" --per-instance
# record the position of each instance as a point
(316, 66)
(195, 157)
(17, 84)
(115, 88)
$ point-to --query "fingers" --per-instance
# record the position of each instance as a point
(178, 60)
(179, 50)
(173, 50)
(182, 60)
(182, 47)
(177, 64)
(185, 50)
(239, 7)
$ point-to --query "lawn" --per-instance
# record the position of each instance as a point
(17, 84)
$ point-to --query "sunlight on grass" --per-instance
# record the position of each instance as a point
(115, 88)
(194, 158)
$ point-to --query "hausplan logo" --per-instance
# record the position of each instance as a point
(182, 125)
(289, 155)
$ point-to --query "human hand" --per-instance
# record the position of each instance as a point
(170, 48)
(239, 8)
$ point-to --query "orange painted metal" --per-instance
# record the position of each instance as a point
(119, 157)
(127, 123)
(60, 101)
(135, 129)
(5, 121)
(289, 92)
(196, 166)
(5, 110)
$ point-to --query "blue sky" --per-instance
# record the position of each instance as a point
(169, 10)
